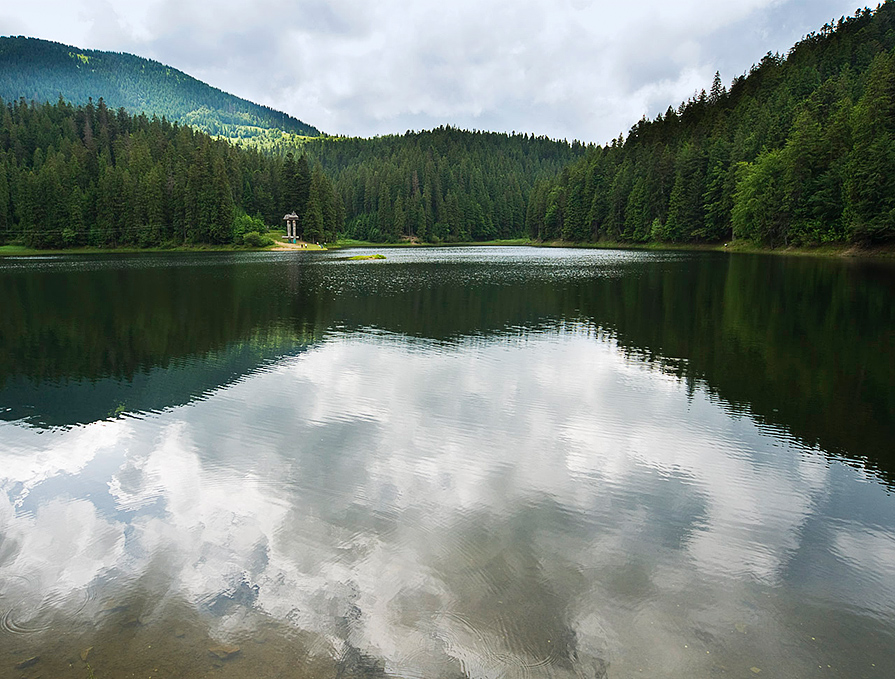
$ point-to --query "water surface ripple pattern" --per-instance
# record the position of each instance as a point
(483, 462)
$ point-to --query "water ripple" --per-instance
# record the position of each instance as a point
(34, 613)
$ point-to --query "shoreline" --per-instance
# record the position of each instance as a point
(841, 250)
(23, 251)
(846, 251)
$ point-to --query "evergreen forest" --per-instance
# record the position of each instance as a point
(799, 151)
(86, 175)
(443, 185)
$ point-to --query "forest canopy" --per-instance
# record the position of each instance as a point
(443, 185)
(799, 151)
(86, 175)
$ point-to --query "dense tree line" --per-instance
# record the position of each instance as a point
(43, 71)
(441, 185)
(799, 151)
(87, 175)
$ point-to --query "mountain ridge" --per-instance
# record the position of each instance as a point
(42, 71)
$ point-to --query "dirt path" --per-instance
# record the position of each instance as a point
(301, 245)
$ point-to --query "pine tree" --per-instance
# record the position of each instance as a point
(302, 184)
(871, 178)
(718, 195)
(6, 231)
(312, 222)
(290, 184)
(221, 226)
(717, 92)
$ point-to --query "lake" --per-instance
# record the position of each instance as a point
(454, 462)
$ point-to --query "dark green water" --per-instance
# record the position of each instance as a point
(485, 462)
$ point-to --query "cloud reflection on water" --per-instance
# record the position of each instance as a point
(484, 507)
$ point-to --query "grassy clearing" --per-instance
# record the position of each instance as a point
(280, 242)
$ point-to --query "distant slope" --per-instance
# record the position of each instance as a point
(40, 70)
(441, 185)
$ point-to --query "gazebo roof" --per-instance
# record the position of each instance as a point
(291, 215)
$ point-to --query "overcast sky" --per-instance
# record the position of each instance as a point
(584, 69)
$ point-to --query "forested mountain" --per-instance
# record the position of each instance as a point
(799, 151)
(44, 71)
(440, 185)
(86, 175)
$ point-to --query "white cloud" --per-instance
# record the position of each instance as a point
(578, 68)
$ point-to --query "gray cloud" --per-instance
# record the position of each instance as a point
(582, 69)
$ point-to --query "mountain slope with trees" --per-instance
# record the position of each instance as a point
(73, 176)
(800, 151)
(442, 185)
(44, 71)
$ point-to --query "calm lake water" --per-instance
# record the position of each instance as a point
(481, 462)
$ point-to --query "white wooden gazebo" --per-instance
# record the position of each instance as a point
(291, 227)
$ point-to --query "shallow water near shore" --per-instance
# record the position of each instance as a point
(457, 462)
